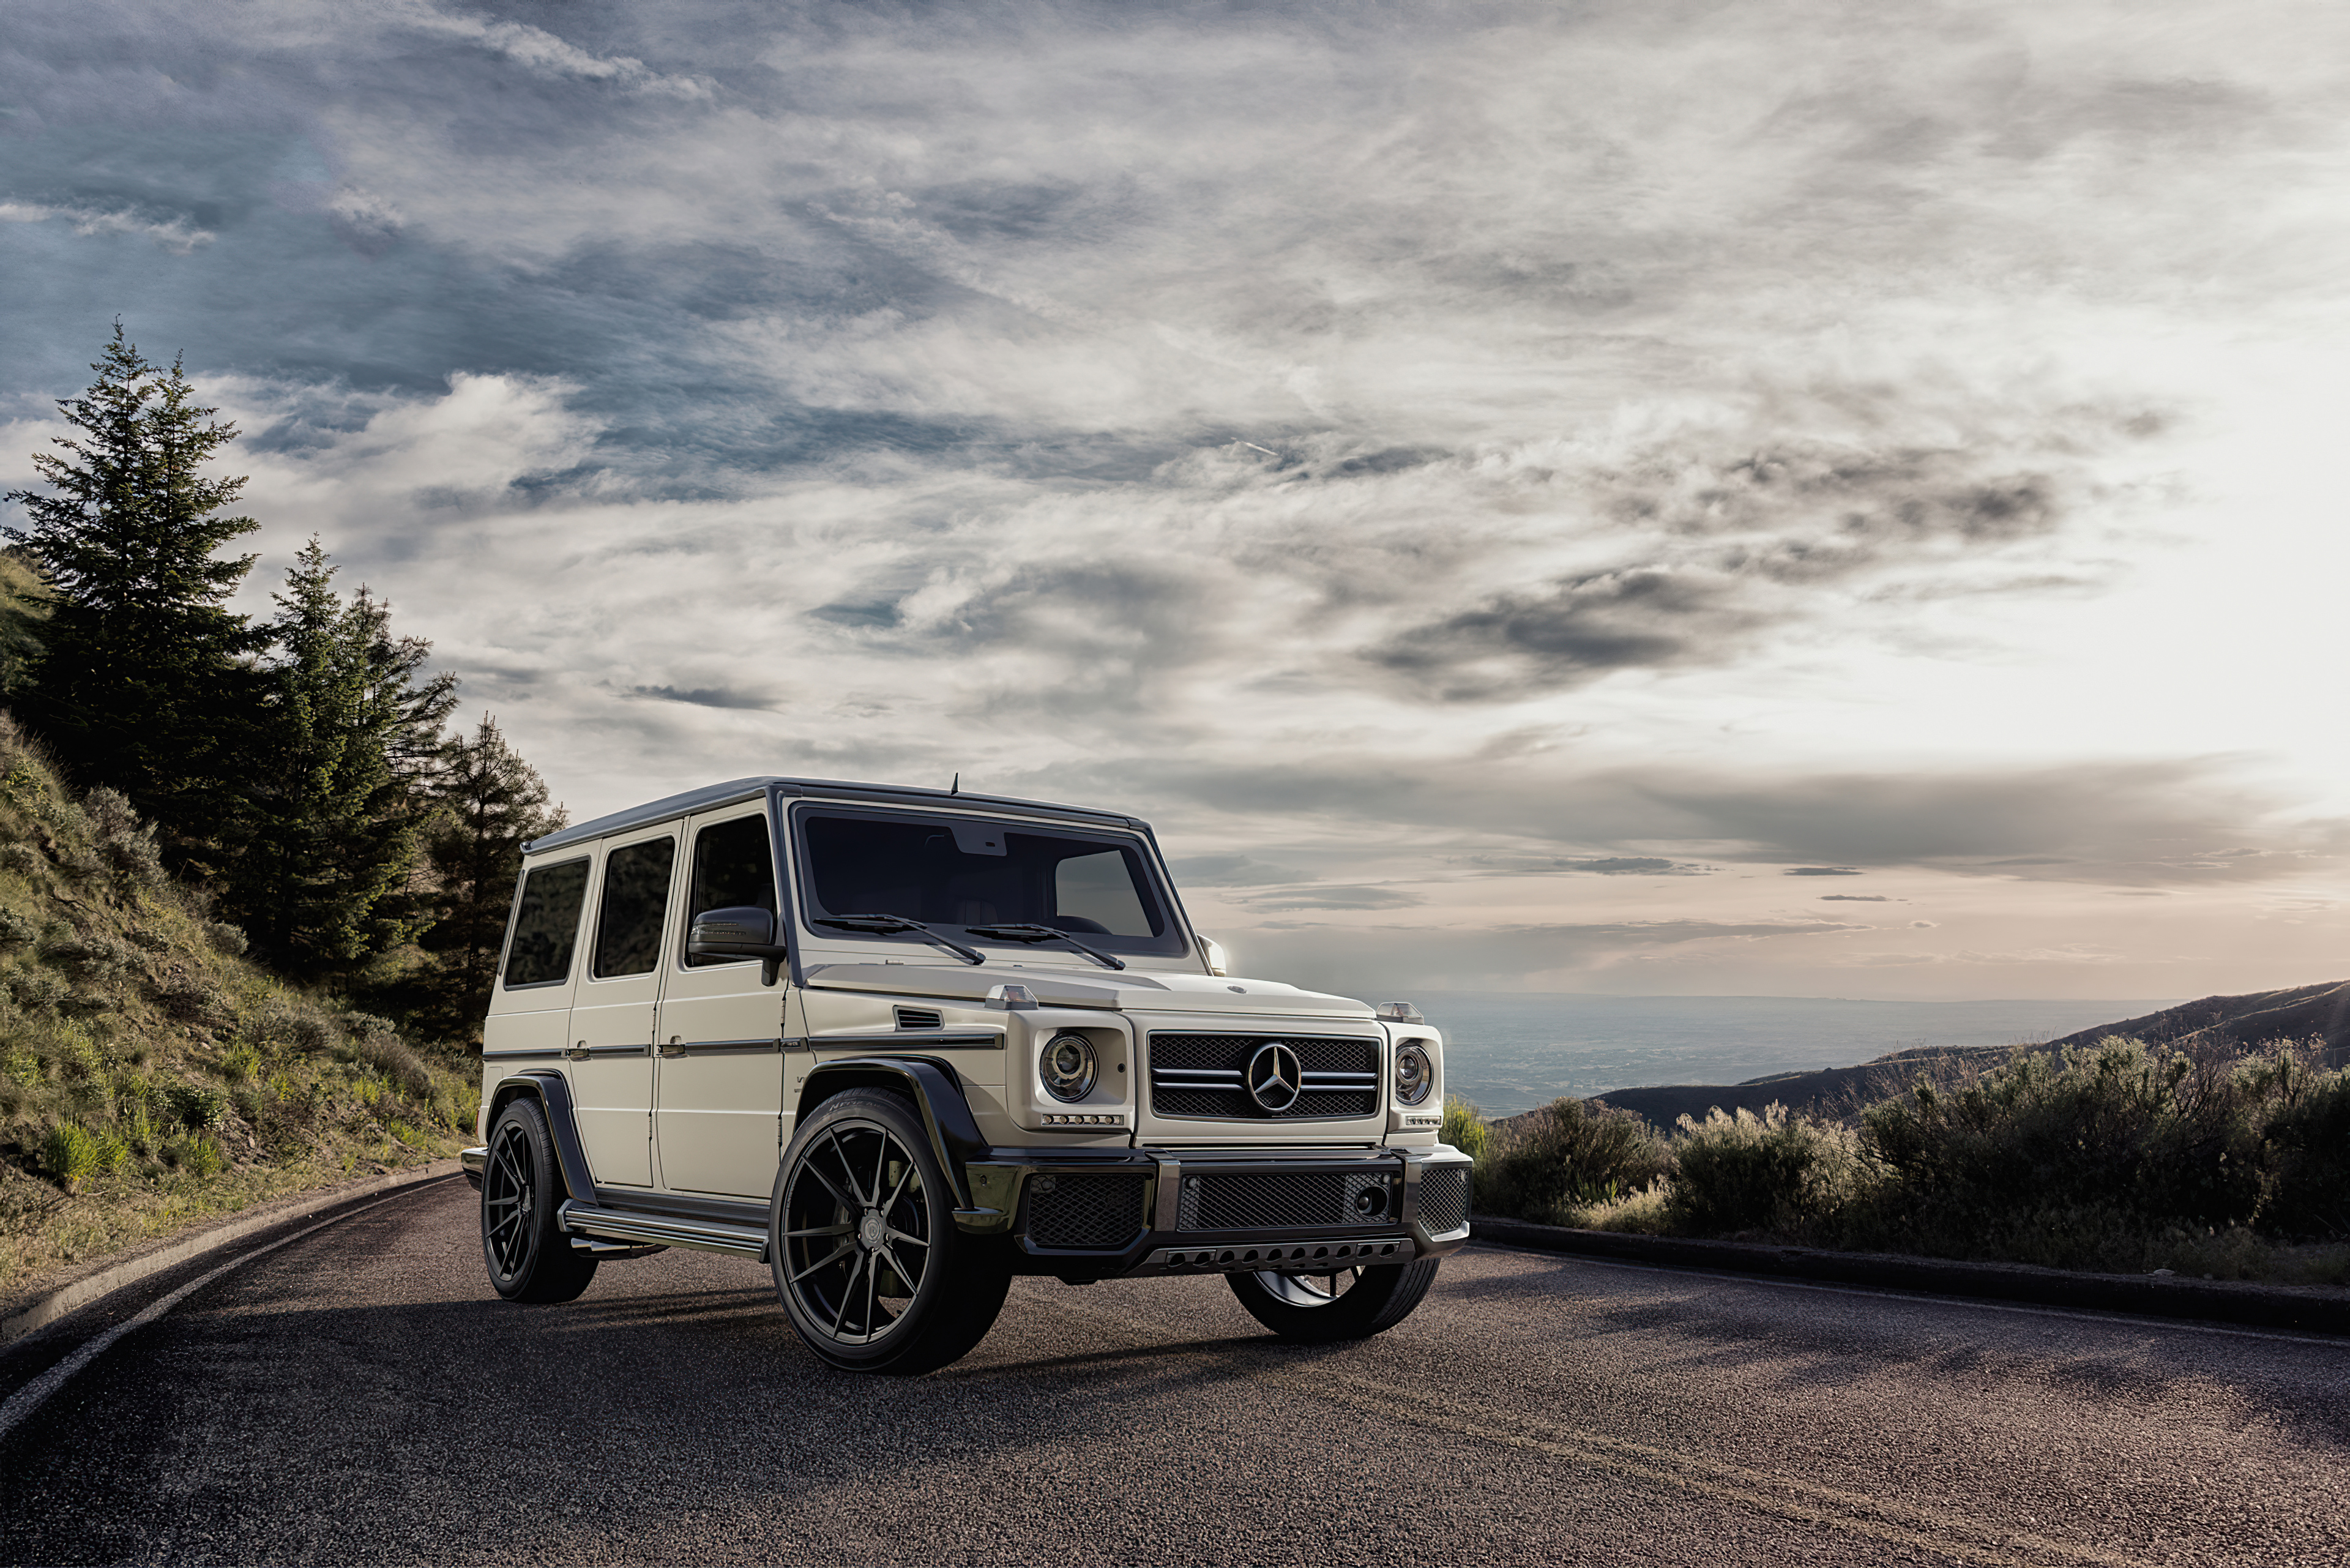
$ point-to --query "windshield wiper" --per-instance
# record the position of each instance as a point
(1025, 931)
(883, 925)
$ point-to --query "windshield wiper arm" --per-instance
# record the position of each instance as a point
(1025, 931)
(883, 925)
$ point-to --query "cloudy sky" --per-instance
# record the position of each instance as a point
(1791, 498)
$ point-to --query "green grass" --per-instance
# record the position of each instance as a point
(149, 1075)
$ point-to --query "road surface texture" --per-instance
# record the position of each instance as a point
(359, 1396)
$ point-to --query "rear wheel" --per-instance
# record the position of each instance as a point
(862, 1241)
(1321, 1309)
(528, 1256)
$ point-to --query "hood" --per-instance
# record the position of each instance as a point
(1126, 990)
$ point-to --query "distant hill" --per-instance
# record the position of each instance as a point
(2215, 1026)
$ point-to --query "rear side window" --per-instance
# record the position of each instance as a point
(733, 868)
(546, 924)
(636, 897)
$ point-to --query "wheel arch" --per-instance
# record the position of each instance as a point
(930, 1084)
(552, 1093)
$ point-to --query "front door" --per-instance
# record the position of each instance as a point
(718, 1108)
(612, 1015)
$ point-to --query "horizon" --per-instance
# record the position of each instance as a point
(1628, 501)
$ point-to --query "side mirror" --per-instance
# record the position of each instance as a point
(740, 932)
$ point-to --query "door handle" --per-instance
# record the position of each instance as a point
(578, 1052)
(676, 1046)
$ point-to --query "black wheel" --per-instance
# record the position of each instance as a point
(529, 1257)
(1321, 1309)
(862, 1240)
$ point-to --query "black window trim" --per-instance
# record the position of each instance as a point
(505, 950)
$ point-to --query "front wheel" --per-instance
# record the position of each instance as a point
(862, 1240)
(1322, 1309)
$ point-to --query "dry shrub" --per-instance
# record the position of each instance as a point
(387, 1053)
(192, 998)
(226, 938)
(1776, 1173)
(1565, 1157)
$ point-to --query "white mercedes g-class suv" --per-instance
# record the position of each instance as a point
(903, 1044)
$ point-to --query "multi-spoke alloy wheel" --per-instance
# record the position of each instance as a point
(1352, 1304)
(528, 1256)
(863, 1244)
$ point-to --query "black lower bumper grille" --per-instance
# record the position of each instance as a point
(1086, 1209)
(1444, 1197)
(1287, 1200)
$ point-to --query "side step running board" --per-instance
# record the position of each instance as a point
(704, 1235)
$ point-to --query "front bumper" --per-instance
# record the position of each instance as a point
(1143, 1212)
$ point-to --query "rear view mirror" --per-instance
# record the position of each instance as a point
(743, 931)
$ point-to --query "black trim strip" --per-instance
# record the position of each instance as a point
(899, 1041)
(725, 1047)
(518, 1055)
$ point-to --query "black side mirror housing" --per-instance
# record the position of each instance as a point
(743, 931)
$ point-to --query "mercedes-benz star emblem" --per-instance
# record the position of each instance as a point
(1273, 1078)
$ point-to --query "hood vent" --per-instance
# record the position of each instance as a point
(919, 1018)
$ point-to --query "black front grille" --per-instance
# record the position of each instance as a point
(1093, 1209)
(1205, 1076)
(1287, 1200)
(1444, 1197)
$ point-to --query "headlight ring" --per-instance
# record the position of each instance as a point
(1415, 1073)
(1068, 1066)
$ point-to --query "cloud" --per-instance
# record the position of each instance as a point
(175, 233)
(705, 697)
(1335, 897)
(1821, 871)
(1854, 899)
(1231, 871)
(1595, 866)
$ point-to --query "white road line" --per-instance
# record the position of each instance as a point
(2079, 1315)
(29, 1398)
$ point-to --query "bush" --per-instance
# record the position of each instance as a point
(72, 1151)
(2078, 1161)
(401, 1067)
(21, 858)
(36, 989)
(196, 1154)
(2308, 1137)
(1772, 1172)
(196, 1106)
(192, 998)
(288, 1022)
(17, 930)
(240, 1062)
(94, 959)
(1570, 1153)
(228, 938)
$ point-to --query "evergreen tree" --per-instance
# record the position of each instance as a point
(138, 679)
(493, 801)
(335, 804)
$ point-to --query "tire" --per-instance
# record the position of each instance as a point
(1324, 1309)
(523, 1246)
(862, 1242)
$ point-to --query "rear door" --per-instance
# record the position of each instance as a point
(718, 1112)
(612, 1012)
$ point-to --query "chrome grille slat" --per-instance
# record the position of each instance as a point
(1204, 1076)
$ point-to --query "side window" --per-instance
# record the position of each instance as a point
(547, 923)
(1095, 893)
(732, 867)
(636, 896)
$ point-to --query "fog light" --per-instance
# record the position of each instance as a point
(1415, 1073)
(1068, 1067)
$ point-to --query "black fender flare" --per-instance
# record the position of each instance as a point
(553, 1092)
(931, 1084)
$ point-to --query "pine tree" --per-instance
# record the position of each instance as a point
(138, 681)
(492, 803)
(336, 803)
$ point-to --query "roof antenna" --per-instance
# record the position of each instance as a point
(956, 788)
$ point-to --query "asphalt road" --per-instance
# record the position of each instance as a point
(361, 1395)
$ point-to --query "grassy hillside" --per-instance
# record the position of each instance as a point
(149, 1074)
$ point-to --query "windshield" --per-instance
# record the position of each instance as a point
(956, 873)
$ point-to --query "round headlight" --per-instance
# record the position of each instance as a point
(1068, 1067)
(1415, 1073)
